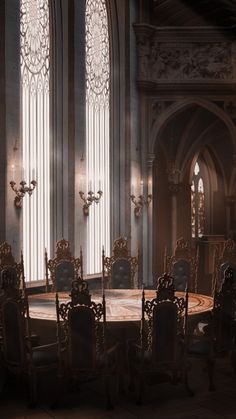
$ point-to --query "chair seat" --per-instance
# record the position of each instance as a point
(200, 347)
(44, 358)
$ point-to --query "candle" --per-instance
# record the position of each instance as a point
(132, 189)
(141, 184)
(150, 187)
(13, 171)
(90, 185)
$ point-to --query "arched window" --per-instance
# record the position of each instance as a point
(97, 130)
(197, 202)
(35, 74)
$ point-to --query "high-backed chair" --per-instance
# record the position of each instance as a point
(217, 338)
(182, 266)
(64, 268)
(161, 352)
(82, 342)
(11, 272)
(18, 354)
(119, 270)
(223, 260)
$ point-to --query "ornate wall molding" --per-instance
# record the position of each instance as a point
(199, 59)
(191, 61)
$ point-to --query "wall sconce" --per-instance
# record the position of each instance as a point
(89, 200)
(140, 201)
(21, 191)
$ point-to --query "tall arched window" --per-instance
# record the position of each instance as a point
(197, 202)
(97, 130)
(35, 64)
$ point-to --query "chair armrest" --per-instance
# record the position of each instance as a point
(45, 347)
(112, 349)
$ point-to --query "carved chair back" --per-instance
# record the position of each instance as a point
(64, 268)
(182, 266)
(81, 329)
(224, 312)
(120, 269)
(223, 260)
(14, 314)
(164, 320)
(11, 272)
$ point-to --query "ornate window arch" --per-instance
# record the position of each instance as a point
(197, 202)
(97, 129)
(35, 90)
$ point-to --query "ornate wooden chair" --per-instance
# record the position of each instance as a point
(182, 266)
(119, 270)
(83, 352)
(19, 356)
(161, 352)
(64, 268)
(217, 338)
(11, 272)
(223, 260)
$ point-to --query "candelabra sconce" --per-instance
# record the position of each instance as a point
(89, 200)
(21, 191)
(139, 203)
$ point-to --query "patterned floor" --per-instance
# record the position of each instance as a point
(161, 401)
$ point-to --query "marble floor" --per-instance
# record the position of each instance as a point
(162, 401)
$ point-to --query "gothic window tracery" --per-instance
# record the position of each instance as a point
(197, 203)
(35, 81)
(97, 130)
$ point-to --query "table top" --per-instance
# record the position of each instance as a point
(121, 304)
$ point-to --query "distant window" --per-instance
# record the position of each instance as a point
(197, 203)
(35, 66)
(97, 130)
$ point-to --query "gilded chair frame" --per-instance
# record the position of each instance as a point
(8, 264)
(25, 361)
(227, 257)
(99, 365)
(119, 252)
(63, 253)
(183, 251)
(147, 362)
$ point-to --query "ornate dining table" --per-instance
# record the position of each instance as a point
(122, 305)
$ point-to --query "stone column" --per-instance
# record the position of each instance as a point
(230, 216)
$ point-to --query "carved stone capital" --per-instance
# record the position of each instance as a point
(174, 187)
(150, 160)
(173, 173)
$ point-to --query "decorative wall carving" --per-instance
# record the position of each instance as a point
(191, 61)
(171, 60)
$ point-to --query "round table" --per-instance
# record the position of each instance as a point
(121, 305)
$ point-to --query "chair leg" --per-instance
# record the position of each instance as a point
(109, 404)
(32, 388)
(186, 383)
(140, 390)
(210, 371)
